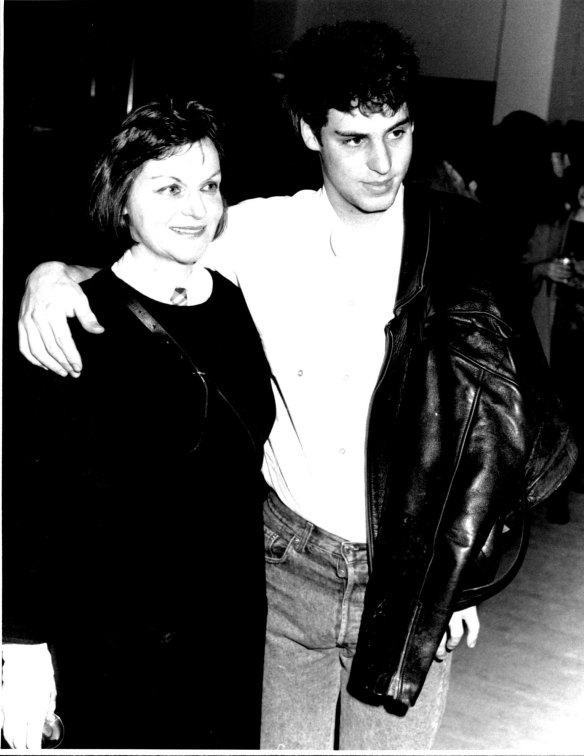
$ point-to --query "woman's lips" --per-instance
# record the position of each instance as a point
(195, 231)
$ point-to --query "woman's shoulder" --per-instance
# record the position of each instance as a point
(225, 293)
(100, 287)
(106, 294)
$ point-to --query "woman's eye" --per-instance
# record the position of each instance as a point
(172, 190)
(211, 186)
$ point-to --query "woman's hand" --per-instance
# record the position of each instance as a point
(468, 618)
(457, 183)
(52, 295)
(579, 267)
(28, 694)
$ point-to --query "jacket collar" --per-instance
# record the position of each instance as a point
(416, 243)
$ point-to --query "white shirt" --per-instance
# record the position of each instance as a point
(320, 296)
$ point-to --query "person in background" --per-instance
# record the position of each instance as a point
(133, 572)
(555, 262)
(414, 408)
(516, 185)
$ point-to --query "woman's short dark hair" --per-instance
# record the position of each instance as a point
(150, 132)
(364, 64)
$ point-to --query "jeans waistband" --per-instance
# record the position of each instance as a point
(304, 530)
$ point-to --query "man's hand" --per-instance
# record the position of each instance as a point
(52, 295)
(28, 694)
(468, 618)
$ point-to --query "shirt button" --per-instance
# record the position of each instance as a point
(345, 377)
(351, 303)
(341, 451)
(300, 373)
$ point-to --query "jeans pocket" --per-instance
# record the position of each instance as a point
(276, 546)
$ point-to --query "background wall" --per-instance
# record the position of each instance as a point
(567, 90)
(454, 38)
(532, 50)
(528, 46)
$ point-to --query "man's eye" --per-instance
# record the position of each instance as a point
(353, 141)
(396, 134)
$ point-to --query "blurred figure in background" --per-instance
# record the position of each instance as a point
(555, 261)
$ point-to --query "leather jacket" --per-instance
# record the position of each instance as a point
(465, 434)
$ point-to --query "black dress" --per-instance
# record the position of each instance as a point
(133, 538)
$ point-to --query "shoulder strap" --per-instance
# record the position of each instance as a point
(150, 322)
(155, 327)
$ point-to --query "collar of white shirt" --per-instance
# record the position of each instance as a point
(160, 283)
(372, 240)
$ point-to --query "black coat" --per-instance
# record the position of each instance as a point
(133, 524)
(465, 433)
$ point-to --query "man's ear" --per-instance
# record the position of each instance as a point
(309, 137)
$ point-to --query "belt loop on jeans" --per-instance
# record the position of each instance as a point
(299, 541)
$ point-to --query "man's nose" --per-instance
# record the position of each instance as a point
(379, 158)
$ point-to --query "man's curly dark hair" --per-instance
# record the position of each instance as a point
(364, 64)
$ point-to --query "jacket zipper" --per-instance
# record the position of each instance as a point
(382, 374)
(395, 684)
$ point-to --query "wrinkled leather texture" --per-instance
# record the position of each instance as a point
(465, 434)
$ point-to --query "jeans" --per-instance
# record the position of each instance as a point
(316, 585)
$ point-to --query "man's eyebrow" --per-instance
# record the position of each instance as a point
(403, 122)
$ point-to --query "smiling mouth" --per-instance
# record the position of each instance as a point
(190, 231)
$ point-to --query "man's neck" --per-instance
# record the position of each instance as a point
(356, 221)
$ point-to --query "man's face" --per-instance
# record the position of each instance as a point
(364, 159)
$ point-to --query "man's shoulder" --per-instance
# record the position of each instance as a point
(452, 207)
(457, 221)
(255, 231)
(272, 210)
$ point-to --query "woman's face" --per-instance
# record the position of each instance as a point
(175, 204)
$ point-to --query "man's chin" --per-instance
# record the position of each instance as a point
(377, 204)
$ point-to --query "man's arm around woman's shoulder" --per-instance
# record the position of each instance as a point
(52, 295)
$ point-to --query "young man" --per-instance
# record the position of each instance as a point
(414, 418)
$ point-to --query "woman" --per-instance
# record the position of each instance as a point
(145, 576)
(555, 258)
